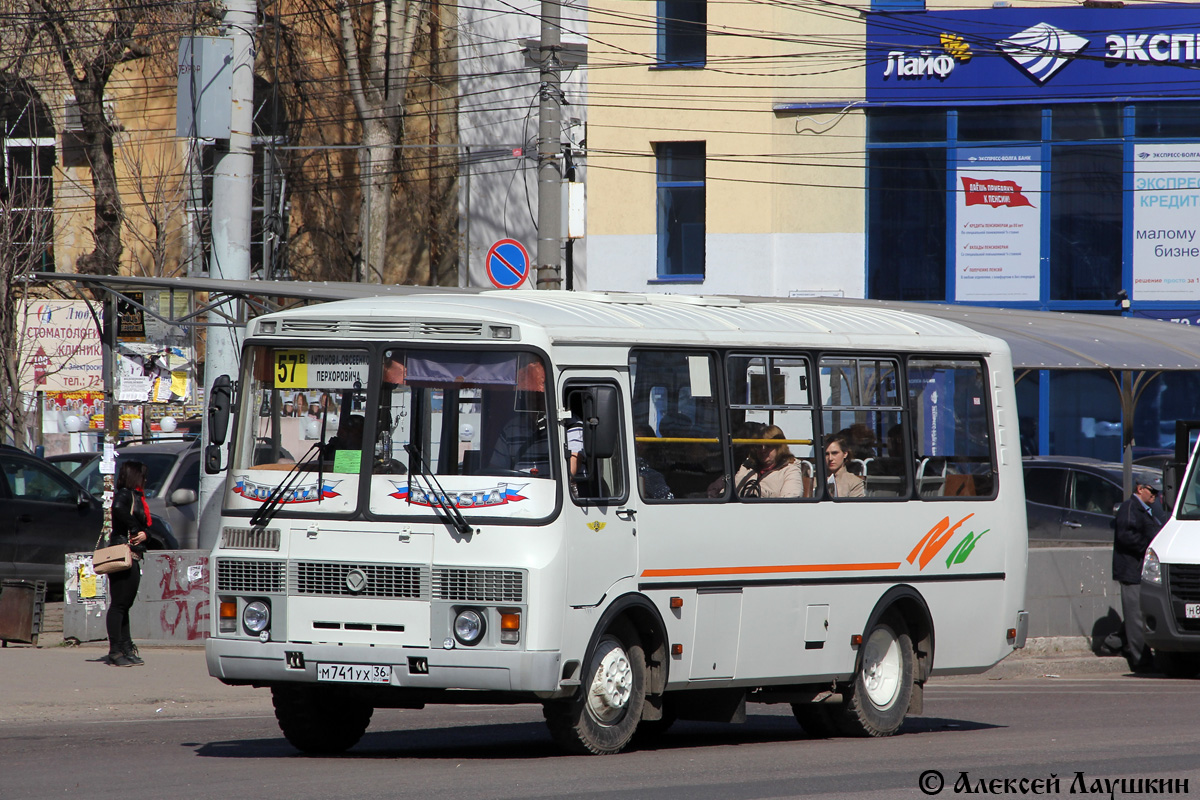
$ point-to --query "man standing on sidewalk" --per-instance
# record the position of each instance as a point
(1136, 526)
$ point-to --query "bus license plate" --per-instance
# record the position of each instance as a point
(354, 673)
(1191, 610)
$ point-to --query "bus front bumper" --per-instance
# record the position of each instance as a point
(241, 661)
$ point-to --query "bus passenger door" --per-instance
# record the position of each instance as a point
(599, 508)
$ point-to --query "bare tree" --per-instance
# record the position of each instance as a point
(377, 45)
(26, 228)
(154, 223)
(366, 85)
(90, 42)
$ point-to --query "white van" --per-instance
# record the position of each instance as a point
(1171, 575)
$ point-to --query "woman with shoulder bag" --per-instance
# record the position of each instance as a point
(130, 522)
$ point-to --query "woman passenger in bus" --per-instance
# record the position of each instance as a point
(841, 483)
(770, 471)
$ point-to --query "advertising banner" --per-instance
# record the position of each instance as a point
(1030, 55)
(59, 347)
(998, 226)
(1166, 218)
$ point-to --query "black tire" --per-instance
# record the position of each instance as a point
(817, 719)
(1177, 665)
(318, 720)
(604, 714)
(878, 698)
(650, 730)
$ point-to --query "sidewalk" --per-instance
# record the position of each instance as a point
(58, 682)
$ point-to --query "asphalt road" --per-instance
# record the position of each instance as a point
(1109, 726)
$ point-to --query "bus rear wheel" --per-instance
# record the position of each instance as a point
(319, 721)
(604, 714)
(882, 688)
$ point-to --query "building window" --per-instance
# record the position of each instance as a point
(681, 33)
(1073, 158)
(681, 200)
(907, 243)
(1086, 221)
(27, 150)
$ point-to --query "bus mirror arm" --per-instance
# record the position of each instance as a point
(439, 497)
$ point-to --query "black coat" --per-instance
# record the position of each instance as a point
(1136, 527)
(128, 517)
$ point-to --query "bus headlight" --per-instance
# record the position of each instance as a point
(256, 616)
(469, 626)
(1151, 569)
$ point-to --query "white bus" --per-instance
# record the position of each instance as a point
(616, 506)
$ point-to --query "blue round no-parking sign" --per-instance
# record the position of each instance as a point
(507, 264)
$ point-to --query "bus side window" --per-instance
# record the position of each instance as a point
(591, 478)
(675, 408)
(949, 406)
(861, 409)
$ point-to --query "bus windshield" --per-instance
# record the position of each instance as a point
(425, 428)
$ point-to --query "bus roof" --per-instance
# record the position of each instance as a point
(620, 318)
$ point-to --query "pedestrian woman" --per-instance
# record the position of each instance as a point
(131, 522)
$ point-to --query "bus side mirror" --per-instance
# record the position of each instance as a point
(219, 404)
(602, 422)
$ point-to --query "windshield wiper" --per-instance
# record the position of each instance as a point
(270, 507)
(448, 508)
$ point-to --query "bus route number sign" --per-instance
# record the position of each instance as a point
(291, 369)
(320, 369)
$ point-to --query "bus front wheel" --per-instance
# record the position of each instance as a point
(603, 715)
(316, 720)
(879, 696)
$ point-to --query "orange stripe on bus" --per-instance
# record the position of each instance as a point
(676, 573)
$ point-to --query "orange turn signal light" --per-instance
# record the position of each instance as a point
(228, 609)
(510, 622)
(676, 649)
(676, 602)
(856, 640)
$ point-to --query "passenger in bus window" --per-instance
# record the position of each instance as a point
(840, 482)
(524, 442)
(772, 470)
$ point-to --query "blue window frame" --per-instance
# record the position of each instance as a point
(682, 28)
(681, 201)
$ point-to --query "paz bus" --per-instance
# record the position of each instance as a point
(540, 497)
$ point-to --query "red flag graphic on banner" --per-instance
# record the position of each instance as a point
(986, 191)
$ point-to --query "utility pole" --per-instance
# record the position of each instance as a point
(232, 195)
(549, 242)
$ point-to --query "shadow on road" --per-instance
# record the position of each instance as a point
(531, 740)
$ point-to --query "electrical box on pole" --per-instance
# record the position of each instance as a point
(204, 100)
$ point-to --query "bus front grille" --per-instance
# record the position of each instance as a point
(479, 585)
(247, 576)
(250, 538)
(339, 579)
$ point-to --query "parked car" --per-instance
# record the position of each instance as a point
(172, 483)
(45, 514)
(1073, 499)
(72, 463)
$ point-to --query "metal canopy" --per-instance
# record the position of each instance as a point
(1038, 339)
(1058, 340)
